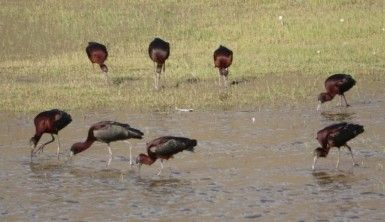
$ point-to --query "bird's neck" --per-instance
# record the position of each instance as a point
(148, 160)
(329, 96)
(325, 151)
(35, 139)
(84, 145)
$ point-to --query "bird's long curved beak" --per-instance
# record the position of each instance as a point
(319, 106)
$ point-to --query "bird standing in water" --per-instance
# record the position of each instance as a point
(223, 57)
(107, 132)
(159, 51)
(336, 135)
(51, 121)
(336, 84)
(164, 148)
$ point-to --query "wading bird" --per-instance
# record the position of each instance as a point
(106, 132)
(159, 51)
(336, 84)
(336, 135)
(223, 57)
(51, 121)
(97, 53)
(164, 148)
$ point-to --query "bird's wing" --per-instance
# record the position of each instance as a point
(169, 148)
(343, 134)
(109, 131)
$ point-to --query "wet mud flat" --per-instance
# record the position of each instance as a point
(241, 169)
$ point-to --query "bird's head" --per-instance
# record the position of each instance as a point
(33, 142)
(143, 159)
(324, 97)
(319, 152)
(76, 148)
(224, 71)
(104, 68)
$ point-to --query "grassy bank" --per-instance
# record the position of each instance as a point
(43, 63)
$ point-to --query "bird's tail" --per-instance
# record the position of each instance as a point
(135, 133)
(357, 129)
(191, 145)
(103, 68)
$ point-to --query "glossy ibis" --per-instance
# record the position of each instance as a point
(106, 132)
(97, 53)
(159, 51)
(336, 135)
(223, 57)
(336, 84)
(51, 121)
(164, 148)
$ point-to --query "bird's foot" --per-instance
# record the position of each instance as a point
(356, 164)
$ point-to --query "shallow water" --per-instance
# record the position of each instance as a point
(241, 169)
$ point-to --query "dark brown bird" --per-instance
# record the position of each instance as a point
(97, 53)
(51, 121)
(336, 135)
(336, 84)
(159, 51)
(107, 132)
(164, 148)
(223, 57)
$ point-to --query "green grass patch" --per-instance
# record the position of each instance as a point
(43, 63)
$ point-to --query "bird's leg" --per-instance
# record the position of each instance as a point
(58, 146)
(157, 80)
(40, 148)
(346, 103)
(225, 79)
(109, 155)
(130, 147)
(351, 153)
(107, 79)
(220, 80)
(338, 160)
(314, 162)
(32, 148)
(139, 167)
(161, 167)
(340, 101)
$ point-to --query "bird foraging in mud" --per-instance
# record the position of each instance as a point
(336, 135)
(97, 53)
(223, 57)
(159, 51)
(107, 132)
(336, 84)
(164, 148)
(51, 121)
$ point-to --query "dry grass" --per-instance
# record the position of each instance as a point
(43, 63)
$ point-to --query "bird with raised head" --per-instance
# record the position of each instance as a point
(107, 132)
(336, 135)
(336, 84)
(164, 148)
(159, 51)
(50, 121)
(223, 58)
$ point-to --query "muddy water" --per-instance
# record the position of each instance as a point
(241, 170)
